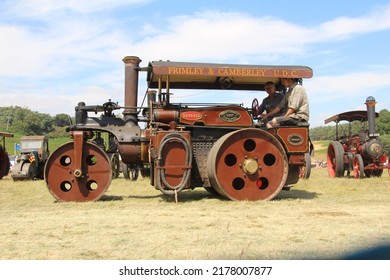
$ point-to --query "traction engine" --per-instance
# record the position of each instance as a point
(362, 153)
(215, 146)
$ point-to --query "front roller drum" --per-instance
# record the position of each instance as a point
(66, 183)
(247, 164)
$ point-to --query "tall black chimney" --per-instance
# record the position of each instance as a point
(370, 102)
(131, 88)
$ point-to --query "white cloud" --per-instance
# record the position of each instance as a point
(68, 42)
(70, 39)
(330, 95)
(45, 8)
(220, 36)
(347, 86)
(223, 36)
(339, 28)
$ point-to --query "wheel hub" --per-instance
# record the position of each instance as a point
(250, 166)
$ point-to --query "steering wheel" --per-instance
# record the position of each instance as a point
(255, 108)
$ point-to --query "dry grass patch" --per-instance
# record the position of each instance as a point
(319, 218)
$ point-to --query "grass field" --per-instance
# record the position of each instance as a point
(320, 218)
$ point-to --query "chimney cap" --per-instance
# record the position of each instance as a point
(370, 99)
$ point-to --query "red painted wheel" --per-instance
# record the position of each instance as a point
(335, 159)
(358, 167)
(66, 183)
(247, 164)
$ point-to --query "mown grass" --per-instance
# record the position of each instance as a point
(320, 218)
(320, 149)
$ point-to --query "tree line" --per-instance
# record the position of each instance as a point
(22, 120)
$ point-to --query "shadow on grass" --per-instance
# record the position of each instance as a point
(203, 194)
(182, 197)
(121, 197)
(190, 196)
(111, 198)
(296, 194)
(200, 194)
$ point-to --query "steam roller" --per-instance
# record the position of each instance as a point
(221, 147)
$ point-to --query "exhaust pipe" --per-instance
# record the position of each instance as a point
(131, 88)
(370, 103)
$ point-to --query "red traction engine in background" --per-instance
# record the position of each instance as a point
(362, 152)
(216, 146)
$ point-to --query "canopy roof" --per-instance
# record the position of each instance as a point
(6, 134)
(350, 116)
(191, 75)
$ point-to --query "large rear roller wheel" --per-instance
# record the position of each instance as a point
(247, 164)
(335, 159)
(66, 183)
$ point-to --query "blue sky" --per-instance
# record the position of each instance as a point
(54, 54)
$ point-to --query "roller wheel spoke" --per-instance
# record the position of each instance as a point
(114, 158)
(247, 164)
(66, 185)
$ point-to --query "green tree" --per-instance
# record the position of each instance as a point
(61, 120)
(27, 122)
(383, 122)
